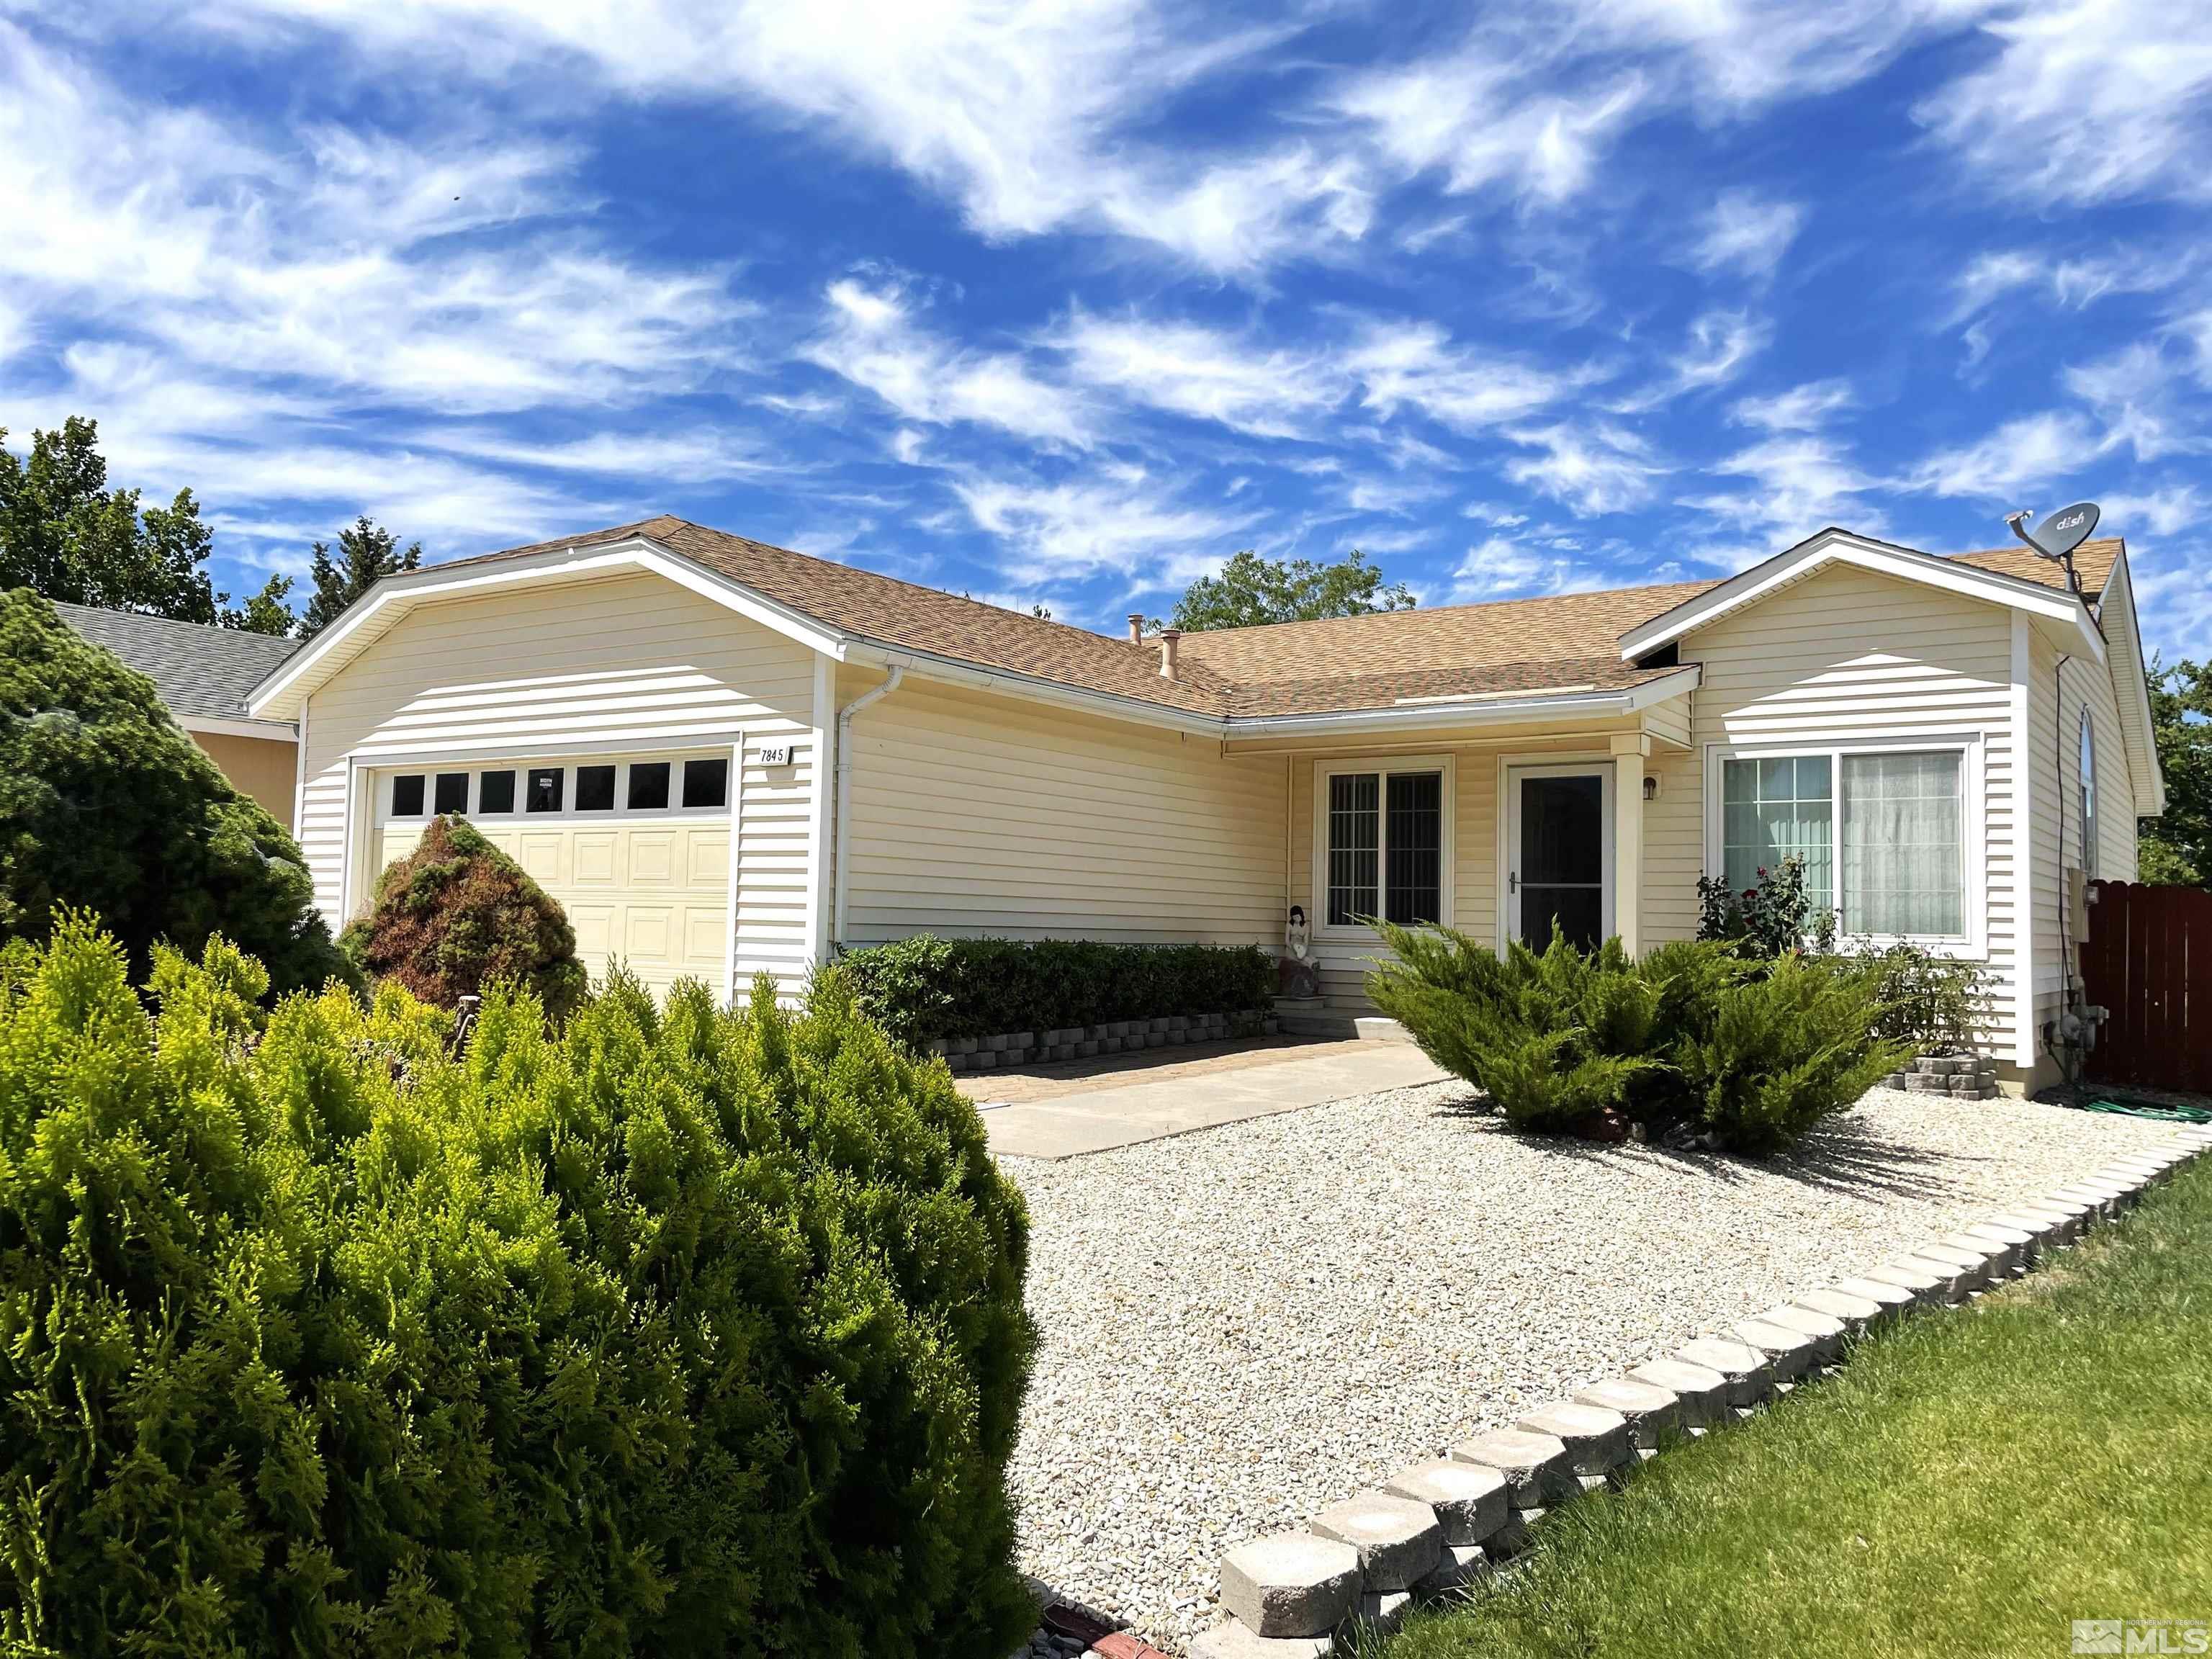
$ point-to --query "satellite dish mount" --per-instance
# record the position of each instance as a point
(2057, 536)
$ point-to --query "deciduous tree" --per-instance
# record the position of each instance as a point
(1251, 591)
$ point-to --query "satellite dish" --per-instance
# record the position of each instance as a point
(2062, 531)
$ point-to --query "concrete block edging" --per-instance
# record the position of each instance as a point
(1711, 1382)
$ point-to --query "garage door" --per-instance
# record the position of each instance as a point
(636, 849)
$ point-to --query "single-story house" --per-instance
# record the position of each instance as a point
(203, 675)
(727, 758)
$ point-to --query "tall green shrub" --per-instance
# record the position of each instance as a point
(106, 803)
(924, 987)
(1693, 1034)
(456, 915)
(692, 1333)
(1552, 1039)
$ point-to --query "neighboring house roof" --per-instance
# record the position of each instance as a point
(203, 673)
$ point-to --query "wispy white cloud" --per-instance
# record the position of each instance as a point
(1473, 119)
(2037, 454)
(1418, 364)
(1118, 519)
(1747, 234)
(1590, 469)
(2087, 101)
(1804, 408)
(1719, 344)
(872, 338)
(1204, 373)
(1800, 481)
(1497, 568)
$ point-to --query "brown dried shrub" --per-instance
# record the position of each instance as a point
(456, 915)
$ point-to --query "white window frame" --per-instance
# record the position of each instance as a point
(1973, 944)
(1384, 766)
(379, 782)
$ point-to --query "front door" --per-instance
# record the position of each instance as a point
(1559, 854)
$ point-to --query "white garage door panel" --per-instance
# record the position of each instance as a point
(656, 896)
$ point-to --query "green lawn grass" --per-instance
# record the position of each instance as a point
(1970, 1482)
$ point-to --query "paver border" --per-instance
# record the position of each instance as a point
(1579, 1443)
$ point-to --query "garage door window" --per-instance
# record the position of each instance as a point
(648, 786)
(452, 792)
(595, 789)
(544, 789)
(707, 782)
(494, 793)
(407, 795)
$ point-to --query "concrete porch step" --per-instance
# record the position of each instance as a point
(1334, 1024)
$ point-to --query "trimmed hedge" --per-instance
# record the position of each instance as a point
(456, 915)
(108, 805)
(925, 987)
(692, 1332)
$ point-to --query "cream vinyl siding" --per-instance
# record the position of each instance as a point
(1476, 836)
(1845, 655)
(2056, 698)
(624, 662)
(976, 815)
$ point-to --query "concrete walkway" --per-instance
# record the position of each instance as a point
(1172, 1097)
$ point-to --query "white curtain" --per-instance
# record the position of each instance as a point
(1903, 862)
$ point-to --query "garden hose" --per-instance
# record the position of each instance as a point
(2137, 1106)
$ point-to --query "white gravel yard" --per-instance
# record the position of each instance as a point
(1245, 1324)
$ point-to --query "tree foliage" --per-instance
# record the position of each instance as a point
(106, 803)
(365, 553)
(679, 1335)
(457, 916)
(2176, 847)
(1251, 591)
(66, 534)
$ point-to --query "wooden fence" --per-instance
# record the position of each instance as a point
(2148, 958)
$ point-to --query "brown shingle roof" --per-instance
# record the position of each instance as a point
(919, 618)
(1556, 642)
(2092, 562)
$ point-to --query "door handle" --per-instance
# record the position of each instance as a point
(1513, 881)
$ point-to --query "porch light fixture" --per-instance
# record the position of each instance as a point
(1650, 787)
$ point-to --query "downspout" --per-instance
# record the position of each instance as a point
(843, 855)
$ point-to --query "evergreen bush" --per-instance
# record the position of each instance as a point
(681, 1333)
(925, 987)
(456, 915)
(106, 803)
(1695, 1035)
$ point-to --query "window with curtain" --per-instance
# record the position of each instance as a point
(1385, 850)
(1903, 843)
(2088, 791)
(1882, 833)
(1779, 809)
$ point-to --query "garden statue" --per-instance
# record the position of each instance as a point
(1298, 974)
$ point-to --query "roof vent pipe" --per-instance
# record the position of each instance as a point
(1136, 627)
(1168, 638)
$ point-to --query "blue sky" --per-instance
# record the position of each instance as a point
(1067, 304)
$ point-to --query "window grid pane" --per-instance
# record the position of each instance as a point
(1771, 810)
(1903, 843)
(1354, 847)
(1414, 876)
